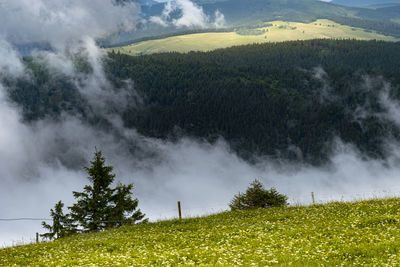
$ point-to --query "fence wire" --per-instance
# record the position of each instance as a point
(294, 200)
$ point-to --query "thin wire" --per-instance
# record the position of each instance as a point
(25, 219)
(46, 219)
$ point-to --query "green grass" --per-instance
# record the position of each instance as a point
(279, 32)
(361, 233)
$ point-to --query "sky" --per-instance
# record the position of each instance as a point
(41, 162)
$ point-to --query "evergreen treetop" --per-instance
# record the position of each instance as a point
(256, 196)
(63, 224)
(100, 206)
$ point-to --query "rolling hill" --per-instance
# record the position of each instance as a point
(275, 31)
(238, 12)
(354, 234)
(254, 12)
(251, 13)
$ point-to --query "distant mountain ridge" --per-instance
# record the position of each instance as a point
(383, 19)
(238, 12)
(251, 13)
(365, 2)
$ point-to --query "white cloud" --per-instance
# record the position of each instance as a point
(62, 21)
(10, 62)
(158, 20)
(219, 19)
(191, 15)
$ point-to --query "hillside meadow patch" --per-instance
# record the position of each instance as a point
(335, 234)
(275, 31)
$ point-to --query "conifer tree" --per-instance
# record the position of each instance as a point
(256, 196)
(62, 224)
(99, 206)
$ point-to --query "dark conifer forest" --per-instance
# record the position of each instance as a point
(285, 100)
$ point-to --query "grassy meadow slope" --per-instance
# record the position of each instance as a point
(279, 31)
(361, 233)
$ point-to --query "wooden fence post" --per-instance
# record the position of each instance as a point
(313, 198)
(37, 238)
(179, 210)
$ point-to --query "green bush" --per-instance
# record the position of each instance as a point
(257, 196)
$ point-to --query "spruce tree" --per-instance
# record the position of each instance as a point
(99, 206)
(124, 207)
(62, 224)
(256, 196)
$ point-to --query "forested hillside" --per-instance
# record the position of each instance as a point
(288, 100)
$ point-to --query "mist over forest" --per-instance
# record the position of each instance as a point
(306, 116)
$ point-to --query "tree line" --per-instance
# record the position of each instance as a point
(267, 99)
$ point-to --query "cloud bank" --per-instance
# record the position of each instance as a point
(63, 21)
